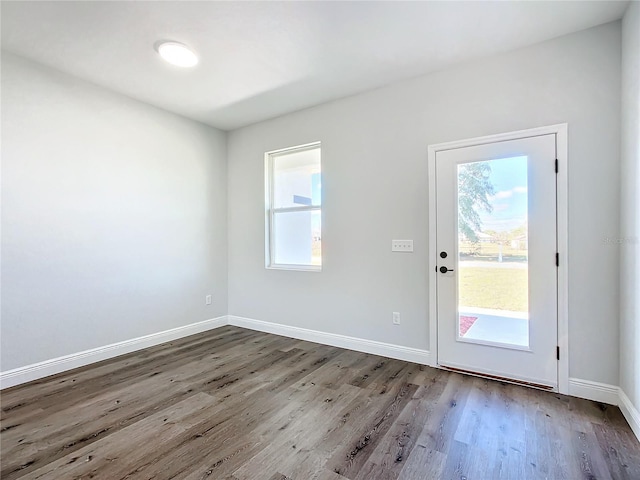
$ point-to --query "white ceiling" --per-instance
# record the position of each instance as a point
(262, 59)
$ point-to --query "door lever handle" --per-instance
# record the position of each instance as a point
(445, 269)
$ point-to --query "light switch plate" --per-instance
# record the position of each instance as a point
(402, 245)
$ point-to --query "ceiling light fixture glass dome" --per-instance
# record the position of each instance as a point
(177, 54)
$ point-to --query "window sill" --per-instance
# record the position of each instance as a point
(296, 268)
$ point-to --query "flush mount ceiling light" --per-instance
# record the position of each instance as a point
(177, 54)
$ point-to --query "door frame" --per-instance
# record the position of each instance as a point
(561, 132)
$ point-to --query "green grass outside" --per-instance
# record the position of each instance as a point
(490, 252)
(497, 288)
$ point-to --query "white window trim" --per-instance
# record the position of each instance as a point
(270, 212)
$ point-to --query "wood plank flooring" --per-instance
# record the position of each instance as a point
(241, 405)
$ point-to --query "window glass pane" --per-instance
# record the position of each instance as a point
(297, 238)
(493, 282)
(296, 179)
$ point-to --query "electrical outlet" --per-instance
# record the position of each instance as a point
(207, 299)
(402, 246)
(396, 318)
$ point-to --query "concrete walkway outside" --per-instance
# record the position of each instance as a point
(501, 326)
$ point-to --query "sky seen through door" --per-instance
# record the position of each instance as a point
(509, 179)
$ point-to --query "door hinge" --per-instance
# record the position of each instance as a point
(557, 259)
(556, 165)
(558, 353)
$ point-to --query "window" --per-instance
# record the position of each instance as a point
(294, 208)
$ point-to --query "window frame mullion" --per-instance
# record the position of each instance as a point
(305, 208)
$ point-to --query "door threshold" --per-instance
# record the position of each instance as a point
(514, 381)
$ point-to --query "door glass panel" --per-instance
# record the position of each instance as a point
(493, 284)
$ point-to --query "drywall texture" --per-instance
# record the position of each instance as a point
(630, 209)
(374, 160)
(113, 217)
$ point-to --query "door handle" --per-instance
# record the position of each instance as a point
(445, 269)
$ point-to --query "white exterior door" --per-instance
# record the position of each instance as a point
(496, 259)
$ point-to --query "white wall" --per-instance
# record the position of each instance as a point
(374, 162)
(113, 217)
(630, 209)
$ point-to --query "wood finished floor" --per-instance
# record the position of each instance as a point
(236, 404)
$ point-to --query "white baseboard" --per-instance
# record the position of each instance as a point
(39, 370)
(605, 393)
(335, 340)
(598, 392)
(631, 413)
